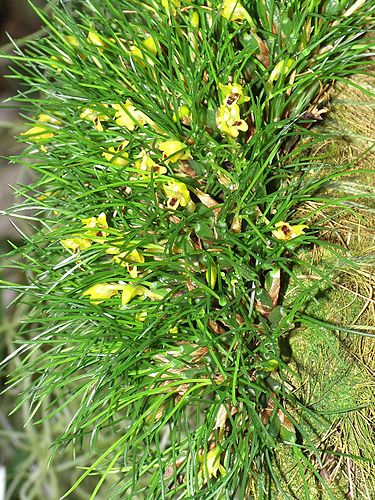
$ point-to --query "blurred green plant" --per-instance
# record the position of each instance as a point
(178, 201)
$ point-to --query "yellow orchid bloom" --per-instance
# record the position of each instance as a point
(178, 194)
(137, 52)
(229, 121)
(95, 39)
(72, 41)
(134, 256)
(117, 156)
(234, 11)
(174, 151)
(94, 233)
(147, 164)
(232, 94)
(102, 291)
(150, 45)
(285, 231)
(97, 42)
(96, 117)
(76, 244)
(129, 260)
(41, 132)
(95, 225)
(115, 250)
(211, 464)
(45, 118)
(194, 19)
(141, 316)
(128, 116)
(131, 291)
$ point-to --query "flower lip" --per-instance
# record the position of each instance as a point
(284, 231)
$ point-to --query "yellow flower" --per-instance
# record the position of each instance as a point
(194, 19)
(76, 244)
(228, 120)
(45, 118)
(72, 40)
(178, 194)
(233, 94)
(95, 225)
(95, 39)
(147, 164)
(117, 156)
(115, 250)
(39, 133)
(211, 464)
(95, 116)
(170, 5)
(234, 11)
(131, 291)
(137, 53)
(134, 256)
(285, 231)
(102, 291)
(174, 151)
(128, 116)
(42, 132)
(129, 260)
(150, 45)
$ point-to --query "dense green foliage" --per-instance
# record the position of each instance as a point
(174, 149)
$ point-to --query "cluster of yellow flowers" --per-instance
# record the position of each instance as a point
(129, 117)
(228, 118)
(92, 232)
(126, 115)
(103, 291)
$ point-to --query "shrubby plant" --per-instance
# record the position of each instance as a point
(174, 144)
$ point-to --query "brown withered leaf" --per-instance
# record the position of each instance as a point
(274, 289)
(264, 56)
(236, 225)
(240, 320)
(215, 327)
(207, 200)
(222, 415)
(284, 421)
(196, 356)
(218, 379)
(263, 310)
(186, 169)
(159, 413)
(266, 413)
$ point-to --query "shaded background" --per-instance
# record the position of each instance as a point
(17, 21)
